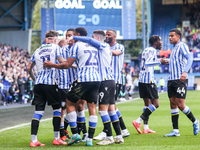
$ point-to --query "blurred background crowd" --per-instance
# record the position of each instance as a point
(15, 83)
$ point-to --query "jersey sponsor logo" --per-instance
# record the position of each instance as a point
(106, 88)
(150, 54)
(48, 45)
(45, 50)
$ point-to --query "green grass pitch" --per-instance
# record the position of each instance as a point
(160, 121)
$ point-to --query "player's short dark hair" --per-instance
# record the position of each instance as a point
(82, 31)
(112, 31)
(99, 32)
(51, 33)
(177, 31)
(153, 39)
(71, 29)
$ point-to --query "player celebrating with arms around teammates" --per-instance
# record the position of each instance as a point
(63, 85)
(71, 76)
(45, 89)
(107, 88)
(179, 64)
(117, 65)
(88, 83)
(147, 87)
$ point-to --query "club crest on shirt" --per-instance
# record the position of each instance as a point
(150, 54)
(63, 104)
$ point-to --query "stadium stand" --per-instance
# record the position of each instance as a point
(165, 18)
(13, 62)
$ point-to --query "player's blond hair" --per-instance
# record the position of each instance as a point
(51, 33)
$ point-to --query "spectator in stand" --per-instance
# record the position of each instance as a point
(162, 53)
(25, 77)
(21, 86)
(169, 52)
(12, 91)
(196, 68)
(13, 62)
(129, 84)
(137, 70)
(157, 69)
(162, 84)
(127, 68)
(122, 90)
(136, 83)
(132, 71)
(166, 69)
(1, 90)
(165, 54)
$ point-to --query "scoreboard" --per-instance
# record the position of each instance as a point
(119, 15)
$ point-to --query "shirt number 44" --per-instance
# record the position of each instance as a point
(181, 91)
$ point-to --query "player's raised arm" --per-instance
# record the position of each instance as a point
(64, 65)
(151, 61)
(92, 41)
(116, 52)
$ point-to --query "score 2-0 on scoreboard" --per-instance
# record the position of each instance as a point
(119, 15)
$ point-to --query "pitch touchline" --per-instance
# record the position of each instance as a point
(25, 124)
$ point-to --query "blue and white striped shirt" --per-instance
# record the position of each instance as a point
(71, 71)
(43, 53)
(63, 79)
(178, 61)
(117, 63)
(105, 58)
(148, 61)
(87, 61)
(104, 55)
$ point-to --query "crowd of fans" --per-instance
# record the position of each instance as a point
(193, 13)
(15, 83)
(191, 35)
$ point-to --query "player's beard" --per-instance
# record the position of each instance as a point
(109, 40)
(71, 43)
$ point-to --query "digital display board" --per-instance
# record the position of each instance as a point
(47, 21)
(97, 14)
